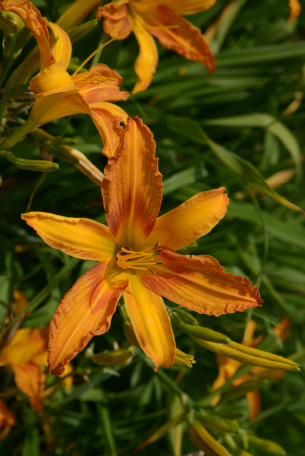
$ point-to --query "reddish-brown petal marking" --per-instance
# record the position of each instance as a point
(176, 33)
(116, 21)
(132, 189)
(200, 283)
(150, 322)
(85, 311)
(189, 221)
(81, 238)
(33, 21)
(30, 379)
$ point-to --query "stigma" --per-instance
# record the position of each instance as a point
(128, 258)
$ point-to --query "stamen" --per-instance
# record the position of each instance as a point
(128, 258)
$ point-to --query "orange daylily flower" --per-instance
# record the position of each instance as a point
(26, 354)
(160, 19)
(7, 420)
(136, 257)
(295, 9)
(59, 95)
(227, 367)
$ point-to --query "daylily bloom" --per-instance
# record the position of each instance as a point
(59, 95)
(7, 420)
(137, 258)
(295, 9)
(160, 19)
(227, 367)
(26, 354)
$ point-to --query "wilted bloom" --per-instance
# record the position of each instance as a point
(227, 367)
(160, 19)
(26, 354)
(114, 357)
(7, 420)
(137, 258)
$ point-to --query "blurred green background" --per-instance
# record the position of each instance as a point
(200, 121)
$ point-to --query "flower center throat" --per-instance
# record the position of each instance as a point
(128, 258)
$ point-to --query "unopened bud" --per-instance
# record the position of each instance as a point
(40, 166)
(113, 357)
(219, 424)
(10, 23)
(265, 445)
(77, 33)
(199, 331)
(249, 356)
(203, 440)
(186, 317)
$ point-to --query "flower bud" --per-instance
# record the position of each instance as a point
(218, 424)
(199, 331)
(265, 445)
(10, 23)
(248, 355)
(203, 440)
(186, 317)
(236, 392)
(41, 166)
(113, 357)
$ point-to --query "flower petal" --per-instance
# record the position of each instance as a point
(30, 380)
(175, 32)
(76, 13)
(81, 238)
(53, 80)
(147, 60)
(62, 50)
(132, 188)
(200, 283)
(150, 321)
(189, 221)
(254, 401)
(116, 21)
(190, 7)
(33, 21)
(85, 311)
(295, 9)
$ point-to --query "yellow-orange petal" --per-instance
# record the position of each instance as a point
(85, 311)
(107, 112)
(20, 301)
(282, 330)
(132, 188)
(30, 379)
(150, 321)
(188, 7)
(33, 21)
(295, 9)
(200, 283)
(189, 221)
(116, 21)
(81, 238)
(147, 60)
(7, 417)
(176, 33)
(53, 80)
(62, 50)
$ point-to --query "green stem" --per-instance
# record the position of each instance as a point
(18, 134)
(6, 68)
(105, 423)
